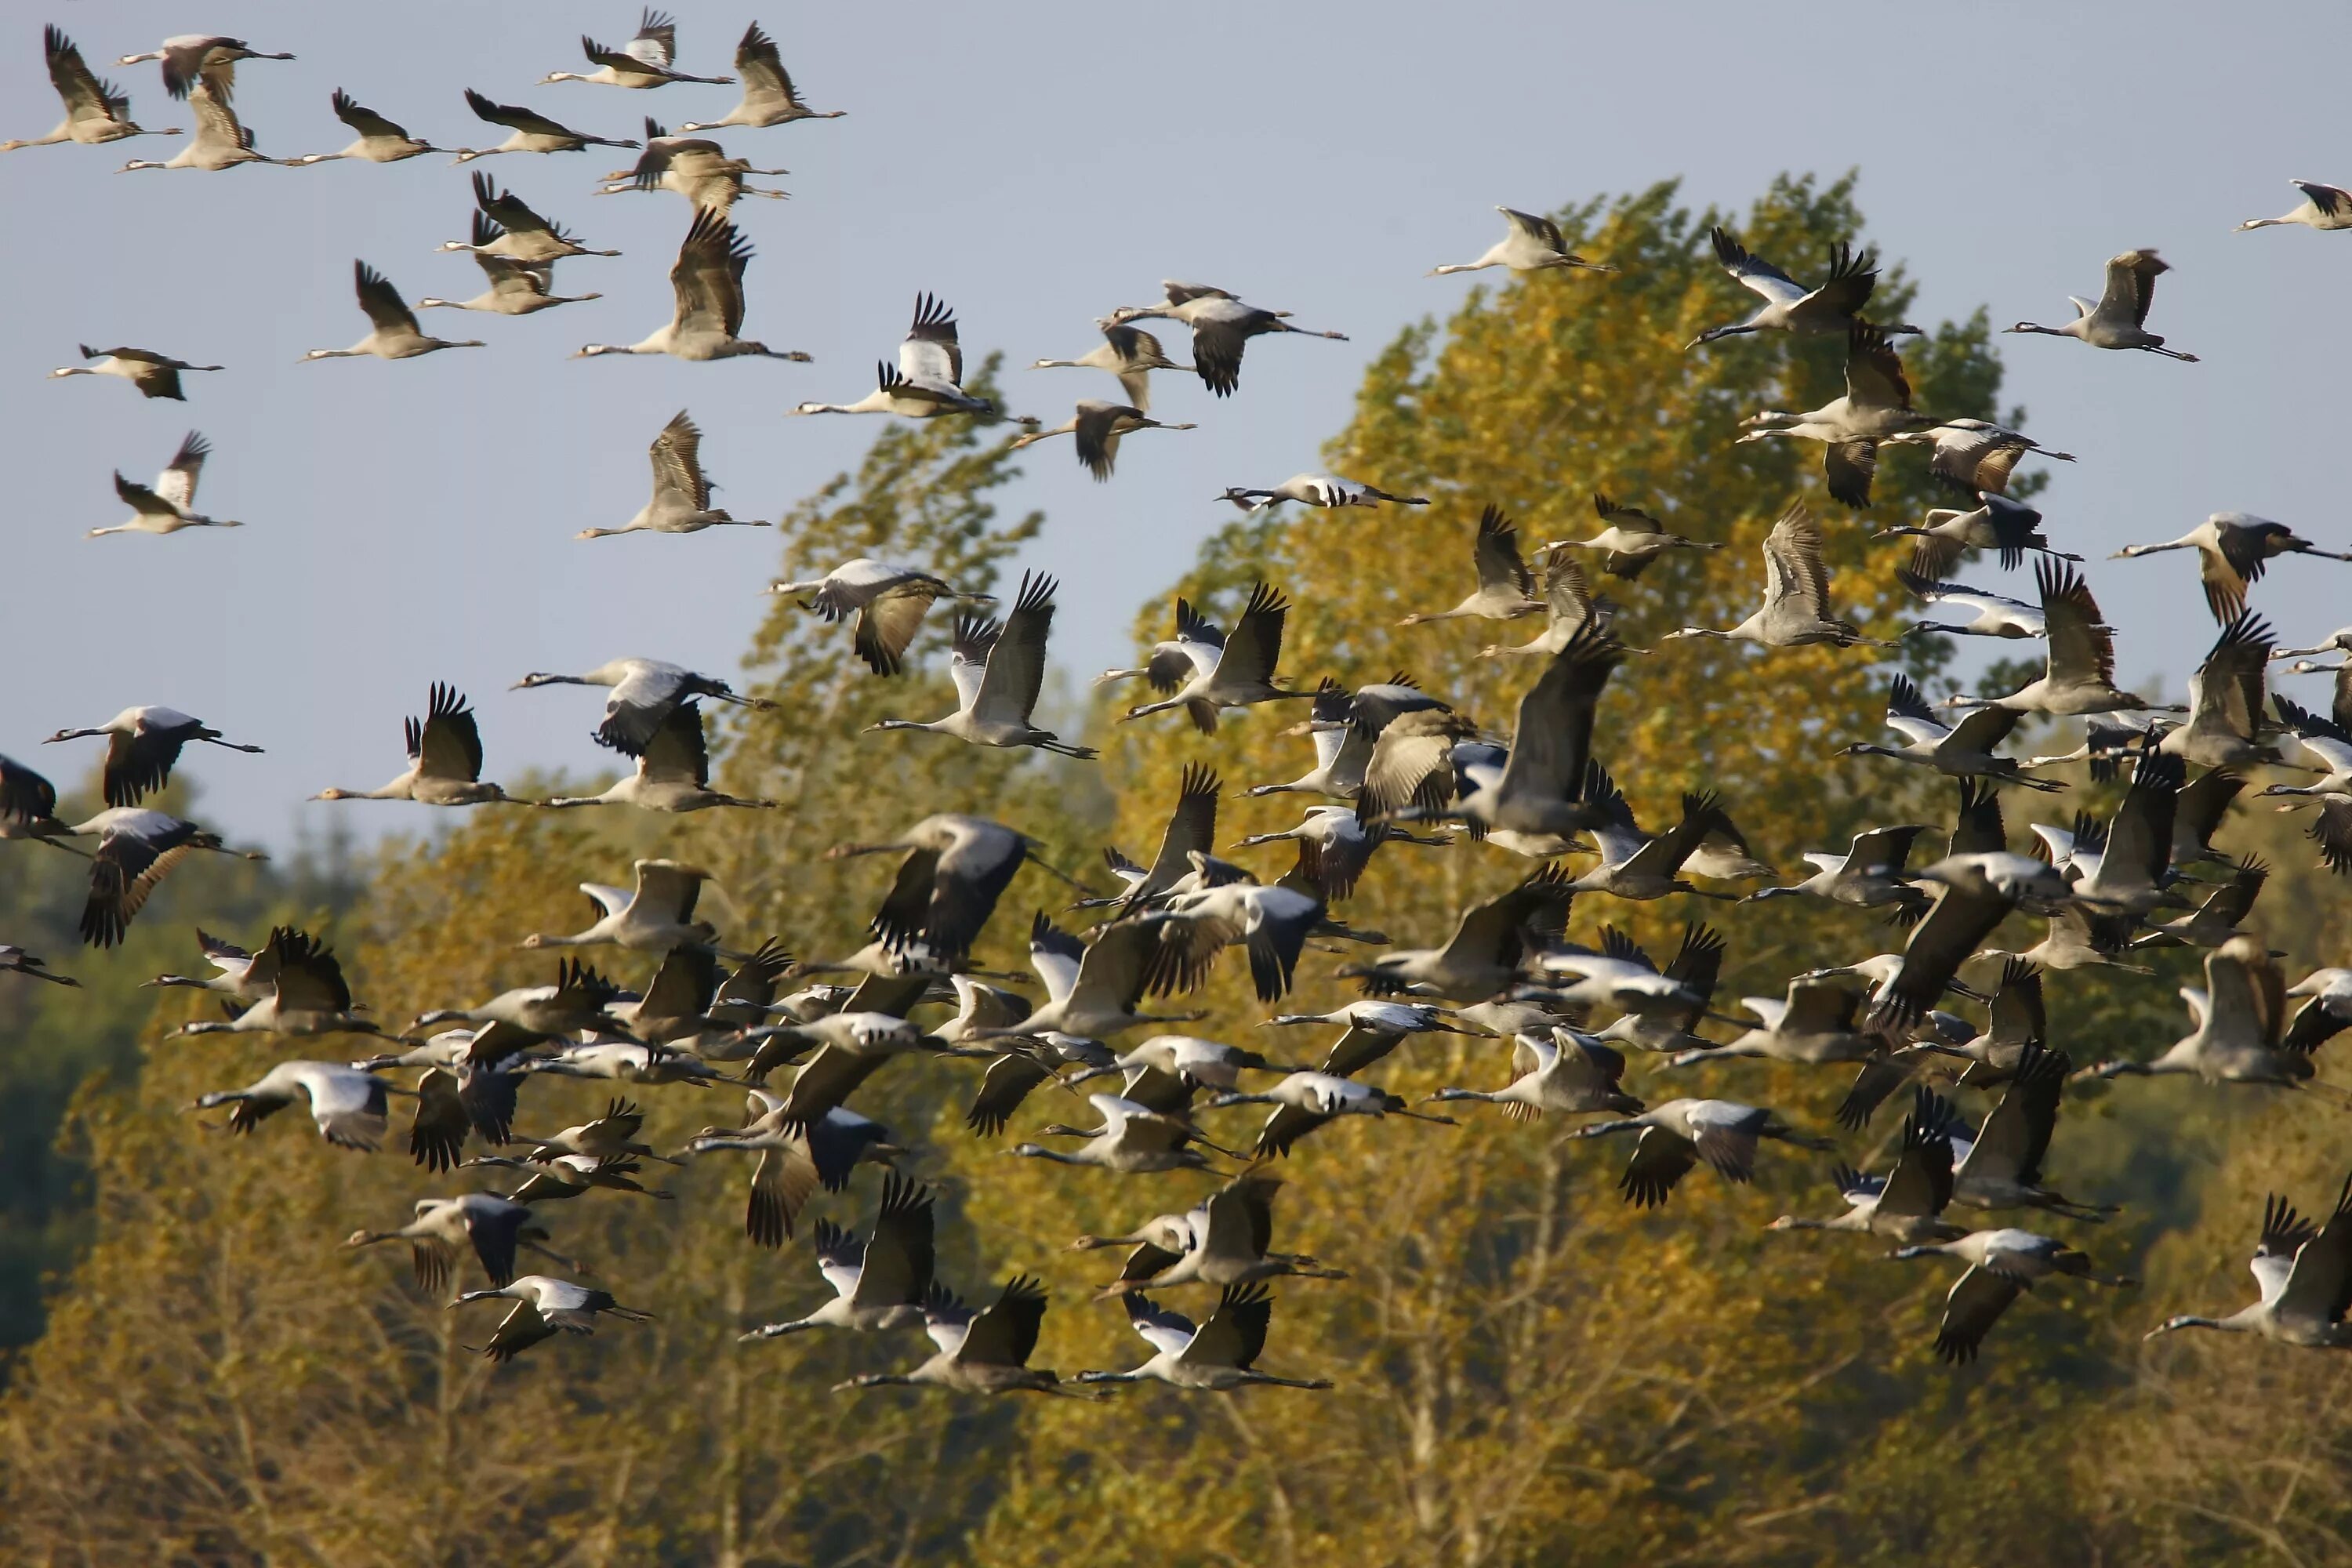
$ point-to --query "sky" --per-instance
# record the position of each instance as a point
(413, 521)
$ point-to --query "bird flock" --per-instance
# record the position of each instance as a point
(1392, 763)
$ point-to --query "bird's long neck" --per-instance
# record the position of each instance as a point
(1452, 267)
(1057, 1156)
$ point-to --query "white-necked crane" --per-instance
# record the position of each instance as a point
(654, 916)
(97, 111)
(1990, 615)
(1211, 1063)
(693, 166)
(15, 960)
(1907, 1203)
(885, 605)
(1131, 353)
(2078, 673)
(1876, 404)
(1133, 1140)
(1371, 1029)
(1818, 1021)
(1568, 605)
(1533, 244)
(1796, 611)
(2218, 917)
(1323, 491)
(2000, 1167)
(2233, 550)
(1220, 1354)
(380, 140)
(1682, 1133)
(1868, 875)
(350, 1107)
(2002, 1265)
(672, 774)
(1342, 845)
(1630, 539)
(1506, 589)
(1489, 944)
(545, 1306)
(1222, 326)
(1223, 1240)
(192, 60)
(1191, 830)
(234, 975)
(221, 142)
(1306, 1100)
(796, 1157)
(929, 378)
(985, 1352)
(769, 97)
(2227, 724)
(999, 668)
(1570, 1073)
(2326, 742)
(395, 334)
(141, 746)
(444, 759)
(1789, 306)
(2304, 1273)
(1638, 864)
(644, 692)
(2323, 207)
(1974, 456)
(612, 1134)
(576, 1000)
(2119, 319)
(522, 235)
(154, 374)
(681, 498)
(957, 867)
(1242, 674)
(2008, 528)
(647, 60)
(879, 1284)
(533, 132)
(1192, 652)
(2238, 1027)
(707, 314)
(1975, 892)
(1959, 751)
(1092, 989)
(169, 505)
(308, 995)
(1097, 427)
(494, 1228)
(517, 289)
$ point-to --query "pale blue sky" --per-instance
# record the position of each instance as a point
(1035, 167)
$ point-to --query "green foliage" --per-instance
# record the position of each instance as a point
(55, 1037)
